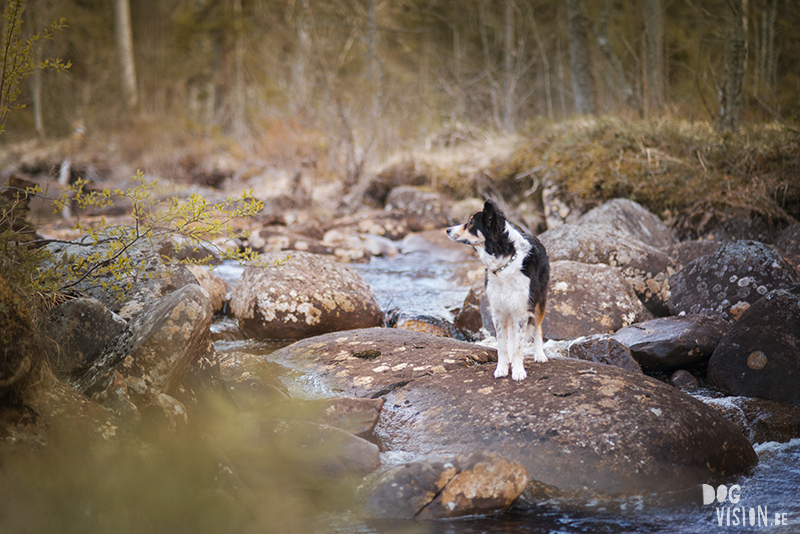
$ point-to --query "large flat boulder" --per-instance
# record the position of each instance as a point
(371, 362)
(584, 431)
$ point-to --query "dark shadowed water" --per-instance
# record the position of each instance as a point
(770, 496)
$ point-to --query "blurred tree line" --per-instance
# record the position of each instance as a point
(373, 71)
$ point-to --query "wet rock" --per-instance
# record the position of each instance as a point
(158, 279)
(165, 416)
(425, 210)
(389, 224)
(683, 379)
(669, 343)
(155, 350)
(584, 431)
(760, 420)
(399, 174)
(371, 362)
(589, 299)
(419, 323)
(760, 355)
(303, 296)
(645, 267)
(474, 484)
(351, 414)
(729, 281)
(602, 348)
(251, 381)
(632, 219)
(358, 247)
(77, 331)
(475, 312)
(216, 287)
(328, 452)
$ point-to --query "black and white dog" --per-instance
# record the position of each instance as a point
(517, 275)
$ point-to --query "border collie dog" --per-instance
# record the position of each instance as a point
(517, 275)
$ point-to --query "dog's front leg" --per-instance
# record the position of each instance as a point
(516, 349)
(501, 331)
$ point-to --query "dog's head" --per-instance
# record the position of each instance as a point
(487, 225)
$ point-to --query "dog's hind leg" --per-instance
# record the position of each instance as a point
(516, 350)
(538, 345)
(502, 332)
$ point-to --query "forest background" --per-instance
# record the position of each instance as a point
(345, 83)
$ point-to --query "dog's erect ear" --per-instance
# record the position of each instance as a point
(491, 214)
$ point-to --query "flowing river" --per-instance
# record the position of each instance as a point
(767, 500)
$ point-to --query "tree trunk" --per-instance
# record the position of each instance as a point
(545, 64)
(508, 67)
(582, 80)
(654, 57)
(620, 80)
(239, 125)
(730, 108)
(127, 66)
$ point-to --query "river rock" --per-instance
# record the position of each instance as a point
(669, 343)
(474, 313)
(302, 296)
(589, 299)
(632, 219)
(250, 380)
(216, 287)
(474, 484)
(683, 379)
(156, 349)
(760, 420)
(602, 348)
(686, 252)
(788, 243)
(351, 414)
(436, 245)
(371, 362)
(760, 355)
(419, 323)
(585, 432)
(425, 209)
(730, 280)
(155, 281)
(645, 267)
(77, 331)
(329, 453)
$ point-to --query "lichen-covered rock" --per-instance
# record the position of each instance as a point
(420, 323)
(156, 349)
(77, 331)
(730, 280)
(632, 219)
(668, 343)
(683, 379)
(589, 299)
(216, 287)
(760, 355)
(585, 432)
(645, 267)
(302, 296)
(155, 280)
(474, 484)
(373, 361)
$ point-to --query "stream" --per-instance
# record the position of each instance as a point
(768, 499)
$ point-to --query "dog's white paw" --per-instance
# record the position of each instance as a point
(539, 357)
(501, 371)
(518, 374)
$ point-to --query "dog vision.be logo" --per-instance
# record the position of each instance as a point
(728, 512)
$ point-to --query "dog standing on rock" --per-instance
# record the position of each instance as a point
(517, 276)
